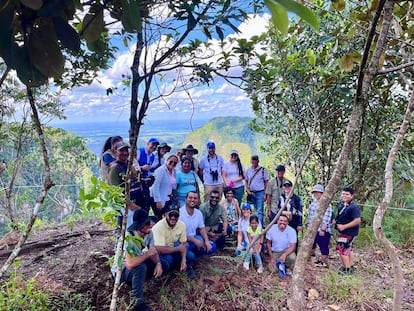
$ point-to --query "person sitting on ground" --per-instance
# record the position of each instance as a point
(141, 259)
(163, 191)
(170, 239)
(281, 242)
(347, 223)
(254, 230)
(210, 172)
(159, 158)
(244, 222)
(187, 181)
(323, 236)
(197, 238)
(215, 219)
(108, 155)
(233, 210)
(233, 175)
(190, 152)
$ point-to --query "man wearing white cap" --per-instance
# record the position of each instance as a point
(325, 229)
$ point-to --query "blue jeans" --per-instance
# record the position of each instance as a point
(169, 260)
(136, 278)
(193, 250)
(258, 202)
(257, 257)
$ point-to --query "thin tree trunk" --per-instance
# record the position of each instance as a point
(366, 75)
(382, 208)
(47, 184)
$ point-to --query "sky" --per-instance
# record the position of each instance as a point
(220, 98)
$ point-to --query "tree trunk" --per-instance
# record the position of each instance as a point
(382, 208)
(47, 184)
(366, 74)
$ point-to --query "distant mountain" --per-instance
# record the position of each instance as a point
(228, 133)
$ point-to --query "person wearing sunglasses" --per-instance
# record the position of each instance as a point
(163, 191)
(170, 239)
(215, 219)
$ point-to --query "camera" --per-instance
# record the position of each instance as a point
(214, 174)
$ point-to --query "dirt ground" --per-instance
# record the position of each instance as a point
(72, 261)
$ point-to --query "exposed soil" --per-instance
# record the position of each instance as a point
(70, 262)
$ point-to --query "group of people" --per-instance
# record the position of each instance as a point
(182, 227)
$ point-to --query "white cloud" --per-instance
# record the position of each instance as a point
(219, 99)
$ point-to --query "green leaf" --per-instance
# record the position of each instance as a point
(279, 16)
(68, 36)
(297, 8)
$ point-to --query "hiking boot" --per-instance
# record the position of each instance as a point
(246, 265)
(260, 270)
(142, 307)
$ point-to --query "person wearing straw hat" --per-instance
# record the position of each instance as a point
(190, 152)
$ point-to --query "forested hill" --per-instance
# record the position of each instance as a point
(228, 133)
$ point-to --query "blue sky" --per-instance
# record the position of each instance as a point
(219, 99)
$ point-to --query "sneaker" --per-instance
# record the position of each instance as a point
(190, 272)
(246, 266)
(260, 270)
(321, 264)
(346, 271)
(289, 272)
(281, 267)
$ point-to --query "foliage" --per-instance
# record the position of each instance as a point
(398, 227)
(17, 294)
(38, 37)
(302, 88)
(70, 160)
(101, 196)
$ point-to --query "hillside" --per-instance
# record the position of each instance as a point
(70, 263)
(228, 133)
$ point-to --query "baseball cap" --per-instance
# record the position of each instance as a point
(211, 144)
(172, 208)
(153, 141)
(318, 188)
(280, 168)
(287, 183)
(121, 145)
(246, 205)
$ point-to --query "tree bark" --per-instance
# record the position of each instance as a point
(47, 184)
(366, 75)
(382, 208)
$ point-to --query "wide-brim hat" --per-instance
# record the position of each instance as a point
(190, 148)
(164, 145)
(140, 219)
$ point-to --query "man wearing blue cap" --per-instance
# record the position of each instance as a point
(141, 259)
(146, 156)
(210, 171)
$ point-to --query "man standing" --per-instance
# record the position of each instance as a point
(141, 258)
(281, 244)
(347, 223)
(274, 191)
(257, 178)
(215, 219)
(170, 240)
(323, 236)
(197, 238)
(210, 170)
(146, 157)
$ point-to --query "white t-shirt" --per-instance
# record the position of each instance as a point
(242, 227)
(192, 222)
(232, 171)
(208, 165)
(281, 240)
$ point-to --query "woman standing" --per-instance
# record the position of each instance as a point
(108, 155)
(159, 159)
(164, 187)
(233, 210)
(186, 181)
(233, 175)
